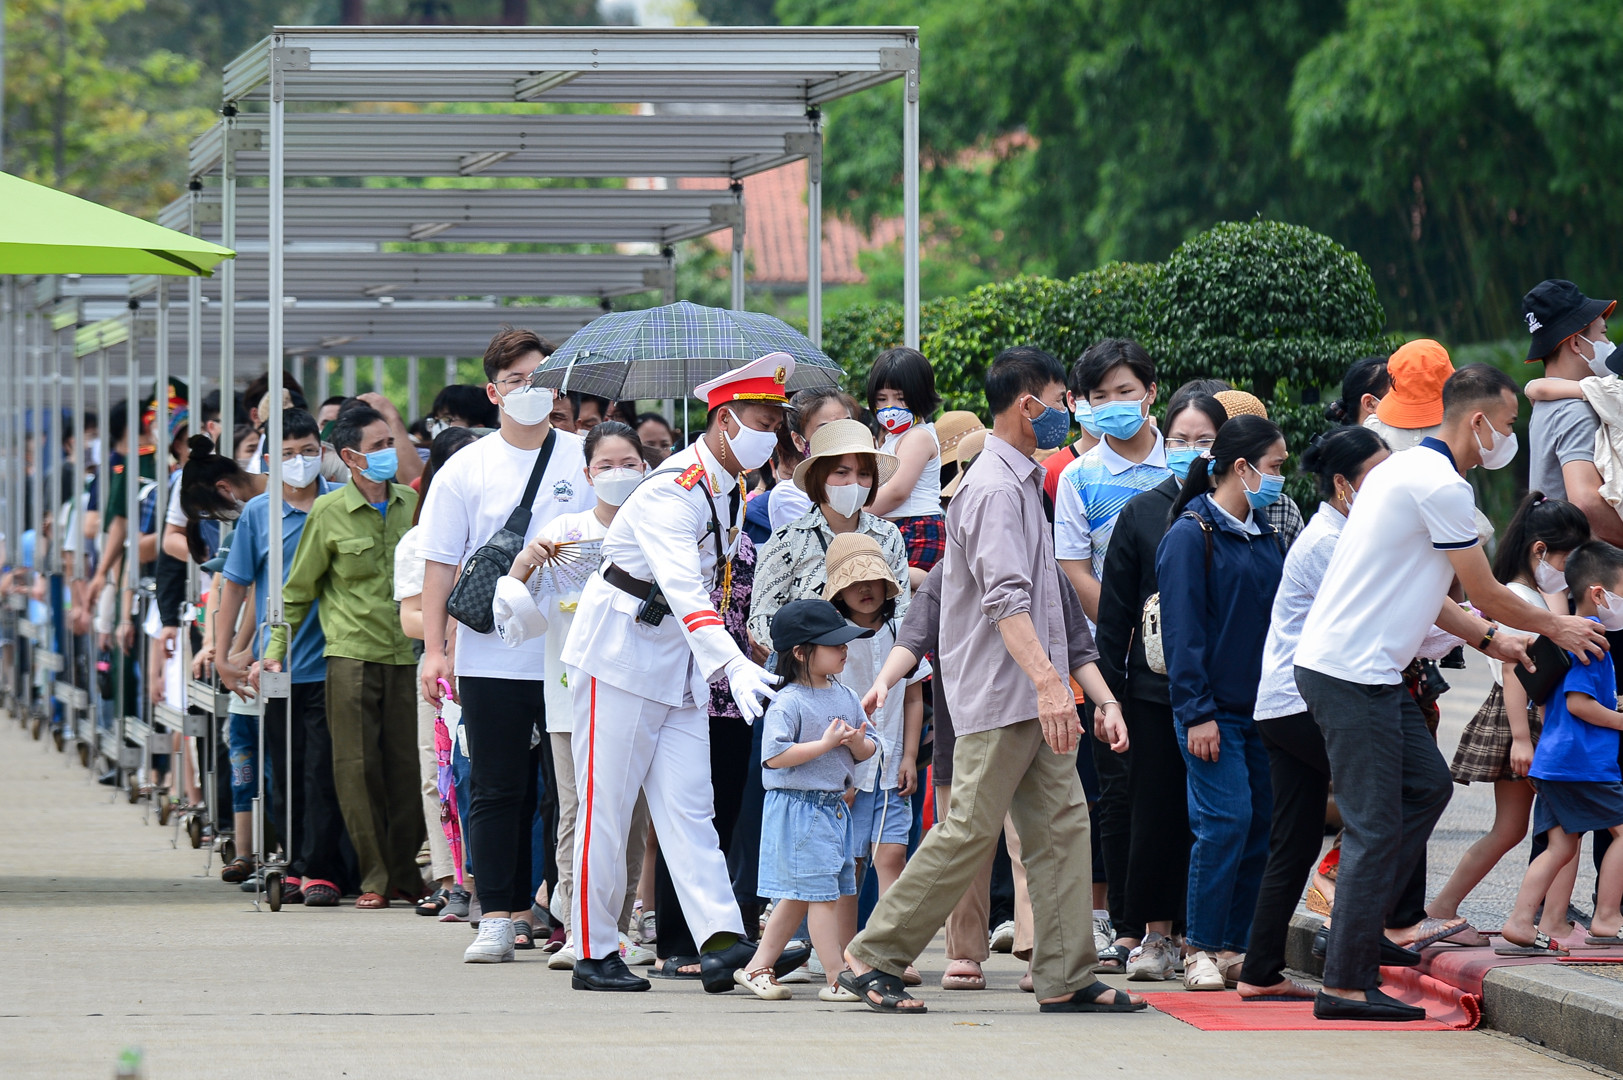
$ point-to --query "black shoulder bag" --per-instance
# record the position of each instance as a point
(471, 598)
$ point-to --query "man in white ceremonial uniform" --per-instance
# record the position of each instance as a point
(645, 644)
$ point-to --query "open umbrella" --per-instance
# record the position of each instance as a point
(43, 231)
(664, 352)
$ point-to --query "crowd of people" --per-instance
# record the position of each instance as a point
(776, 706)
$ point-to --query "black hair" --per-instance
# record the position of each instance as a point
(577, 398)
(346, 430)
(792, 668)
(243, 433)
(655, 418)
(1340, 452)
(1022, 369)
(471, 403)
(1244, 436)
(298, 424)
(260, 386)
(1105, 356)
(440, 450)
(1555, 523)
(1366, 376)
(199, 494)
(887, 610)
(339, 399)
(118, 423)
(1594, 563)
(1204, 403)
(1473, 385)
(610, 429)
(806, 404)
(909, 373)
(210, 409)
(418, 429)
(1211, 387)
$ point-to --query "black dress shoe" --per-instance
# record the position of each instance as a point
(716, 968)
(609, 974)
(1391, 953)
(1378, 1007)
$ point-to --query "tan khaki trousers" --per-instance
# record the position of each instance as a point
(967, 930)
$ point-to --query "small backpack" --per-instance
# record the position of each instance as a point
(1154, 651)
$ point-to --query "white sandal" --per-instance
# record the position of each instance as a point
(837, 994)
(763, 984)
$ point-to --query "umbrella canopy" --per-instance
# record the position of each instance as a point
(43, 231)
(664, 352)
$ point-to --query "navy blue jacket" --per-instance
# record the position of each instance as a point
(1213, 625)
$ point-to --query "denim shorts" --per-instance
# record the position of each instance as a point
(806, 847)
(881, 816)
(242, 742)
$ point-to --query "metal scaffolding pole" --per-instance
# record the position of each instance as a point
(323, 381)
(413, 393)
(737, 301)
(910, 202)
(450, 371)
(377, 374)
(228, 289)
(349, 377)
(814, 244)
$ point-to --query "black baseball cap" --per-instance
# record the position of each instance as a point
(1555, 310)
(812, 622)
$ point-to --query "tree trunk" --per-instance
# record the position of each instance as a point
(515, 12)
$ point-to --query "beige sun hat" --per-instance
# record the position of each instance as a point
(951, 429)
(854, 557)
(838, 438)
(263, 407)
(1240, 403)
(970, 445)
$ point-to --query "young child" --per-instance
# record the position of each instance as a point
(902, 396)
(812, 737)
(863, 588)
(1575, 770)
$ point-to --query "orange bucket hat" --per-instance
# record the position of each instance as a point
(1418, 371)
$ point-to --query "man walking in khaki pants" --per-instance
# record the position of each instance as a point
(1015, 718)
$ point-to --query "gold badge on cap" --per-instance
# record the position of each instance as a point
(779, 375)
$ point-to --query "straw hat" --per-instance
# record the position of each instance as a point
(264, 405)
(1240, 403)
(951, 429)
(968, 447)
(854, 557)
(1418, 371)
(838, 438)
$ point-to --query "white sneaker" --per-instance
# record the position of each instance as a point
(1200, 972)
(809, 972)
(494, 945)
(633, 954)
(1153, 961)
(564, 958)
(1002, 938)
(1104, 935)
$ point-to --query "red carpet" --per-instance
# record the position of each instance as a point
(1465, 967)
(1447, 1009)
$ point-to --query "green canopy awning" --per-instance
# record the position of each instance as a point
(44, 231)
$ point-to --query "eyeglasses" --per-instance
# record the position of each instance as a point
(509, 383)
(604, 466)
(1185, 444)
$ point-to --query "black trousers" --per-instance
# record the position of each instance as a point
(1157, 877)
(1301, 781)
(500, 715)
(732, 748)
(1113, 828)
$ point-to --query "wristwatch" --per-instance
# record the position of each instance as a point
(1487, 638)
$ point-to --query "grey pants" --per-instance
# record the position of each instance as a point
(1392, 786)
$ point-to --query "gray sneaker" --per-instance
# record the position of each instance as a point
(494, 945)
(456, 905)
(1153, 961)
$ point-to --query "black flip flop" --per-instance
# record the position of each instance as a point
(434, 902)
(892, 991)
(1112, 961)
(671, 968)
(523, 935)
(1086, 1000)
(1540, 946)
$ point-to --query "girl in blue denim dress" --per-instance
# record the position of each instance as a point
(814, 733)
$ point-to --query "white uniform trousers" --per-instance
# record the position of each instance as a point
(623, 744)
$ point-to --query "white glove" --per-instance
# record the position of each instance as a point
(751, 685)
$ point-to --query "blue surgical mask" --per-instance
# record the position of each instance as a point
(1267, 493)
(1084, 417)
(1051, 427)
(1120, 419)
(381, 465)
(1180, 460)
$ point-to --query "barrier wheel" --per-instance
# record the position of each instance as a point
(273, 891)
(58, 739)
(135, 792)
(194, 831)
(166, 809)
(84, 755)
(36, 726)
(228, 850)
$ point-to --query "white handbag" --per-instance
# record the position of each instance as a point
(1150, 625)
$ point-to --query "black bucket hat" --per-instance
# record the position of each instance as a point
(1554, 311)
(812, 622)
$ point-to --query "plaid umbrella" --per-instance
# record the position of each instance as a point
(664, 352)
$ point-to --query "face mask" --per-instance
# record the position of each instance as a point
(1120, 419)
(847, 500)
(1548, 578)
(1051, 427)
(528, 405)
(1611, 612)
(1084, 417)
(614, 486)
(300, 472)
(1180, 460)
(381, 465)
(229, 515)
(895, 418)
(435, 426)
(1603, 351)
(1501, 453)
(750, 448)
(1269, 488)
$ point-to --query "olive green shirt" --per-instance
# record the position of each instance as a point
(346, 561)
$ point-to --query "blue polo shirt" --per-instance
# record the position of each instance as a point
(249, 564)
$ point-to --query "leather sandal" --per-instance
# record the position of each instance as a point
(963, 975)
(371, 901)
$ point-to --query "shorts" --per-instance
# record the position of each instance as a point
(806, 847)
(925, 537)
(242, 741)
(1577, 806)
(880, 817)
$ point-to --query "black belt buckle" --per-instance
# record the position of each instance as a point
(654, 609)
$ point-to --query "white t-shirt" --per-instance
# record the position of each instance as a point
(863, 659)
(1389, 576)
(408, 564)
(1532, 596)
(470, 500)
(786, 503)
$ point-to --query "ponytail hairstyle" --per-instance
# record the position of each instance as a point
(1555, 523)
(1366, 376)
(200, 495)
(1244, 436)
(1340, 452)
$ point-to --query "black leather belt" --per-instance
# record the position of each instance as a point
(626, 583)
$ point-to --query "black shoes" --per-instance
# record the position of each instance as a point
(1392, 954)
(716, 968)
(610, 975)
(1379, 1007)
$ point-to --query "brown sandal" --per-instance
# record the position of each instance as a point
(371, 901)
(963, 975)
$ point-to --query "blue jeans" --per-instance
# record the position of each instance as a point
(1230, 806)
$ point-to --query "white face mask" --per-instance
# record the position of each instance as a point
(847, 500)
(750, 448)
(1501, 453)
(1548, 578)
(300, 472)
(1603, 350)
(528, 405)
(1611, 612)
(614, 486)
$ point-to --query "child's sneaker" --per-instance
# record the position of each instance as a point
(456, 905)
(494, 945)
(635, 955)
(564, 958)
(762, 984)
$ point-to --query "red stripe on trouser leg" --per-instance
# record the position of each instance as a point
(583, 881)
